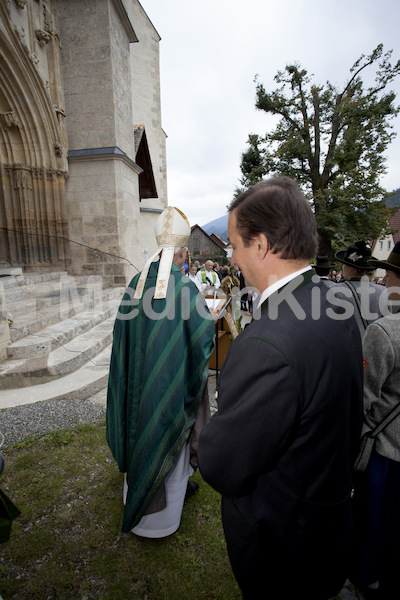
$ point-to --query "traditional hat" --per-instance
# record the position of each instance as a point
(323, 262)
(392, 263)
(172, 229)
(356, 256)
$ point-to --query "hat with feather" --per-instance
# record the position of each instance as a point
(356, 256)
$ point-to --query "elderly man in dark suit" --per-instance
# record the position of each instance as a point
(281, 447)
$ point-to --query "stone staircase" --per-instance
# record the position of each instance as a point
(61, 333)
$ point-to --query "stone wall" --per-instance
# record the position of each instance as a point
(4, 326)
(32, 137)
(109, 87)
(89, 74)
(145, 64)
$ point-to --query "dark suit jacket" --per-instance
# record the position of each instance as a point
(281, 447)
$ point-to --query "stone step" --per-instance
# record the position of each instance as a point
(63, 360)
(36, 277)
(60, 333)
(61, 336)
(10, 274)
(82, 384)
(50, 291)
(20, 285)
(7, 271)
(47, 289)
(30, 304)
(29, 317)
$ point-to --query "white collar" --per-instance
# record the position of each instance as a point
(280, 283)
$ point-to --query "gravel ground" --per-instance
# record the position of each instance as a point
(19, 422)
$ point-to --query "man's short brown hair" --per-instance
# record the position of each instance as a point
(277, 208)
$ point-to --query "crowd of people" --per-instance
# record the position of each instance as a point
(209, 265)
(297, 389)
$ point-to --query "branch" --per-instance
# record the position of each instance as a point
(336, 126)
(377, 53)
(317, 131)
(332, 141)
(275, 104)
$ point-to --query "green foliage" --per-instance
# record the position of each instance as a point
(332, 143)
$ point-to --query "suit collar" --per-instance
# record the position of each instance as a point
(298, 282)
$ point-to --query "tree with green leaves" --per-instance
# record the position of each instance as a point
(332, 143)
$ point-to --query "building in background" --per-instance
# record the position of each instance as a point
(82, 149)
(203, 246)
(383, 247)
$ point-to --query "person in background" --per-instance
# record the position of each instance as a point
(224, 271)
(339, 276)
(376, 502)
(217, 269)
(323, 267)
(157, 398)
(282, 444)
(208, 278)
(369, 299)
(192, 276)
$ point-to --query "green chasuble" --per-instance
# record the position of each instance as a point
(158, 371)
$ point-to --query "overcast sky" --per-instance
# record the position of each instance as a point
(210, 52)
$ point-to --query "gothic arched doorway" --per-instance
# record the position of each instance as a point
(33, 166)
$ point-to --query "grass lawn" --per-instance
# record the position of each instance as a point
(67, 543)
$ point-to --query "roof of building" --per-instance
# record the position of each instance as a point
(218, 240)
(212, 237)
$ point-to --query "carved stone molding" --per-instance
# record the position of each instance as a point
(43, 37)
(58, 149)
(54, 174)
(9, 119)
(22, 174)
(59, 111)
(10, 168)
(37, 173)
(21, 3)
(48, 21)
(34, 58)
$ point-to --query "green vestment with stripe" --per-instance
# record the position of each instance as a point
(158, 371)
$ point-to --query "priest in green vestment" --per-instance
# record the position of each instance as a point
(157, 391)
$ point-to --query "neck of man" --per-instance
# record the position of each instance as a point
(350, 273)
(279, 269)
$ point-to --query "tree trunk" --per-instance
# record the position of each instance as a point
(325, 246)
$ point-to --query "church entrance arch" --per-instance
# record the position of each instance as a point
(33, 166)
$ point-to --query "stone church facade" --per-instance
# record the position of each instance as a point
(82, 149)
